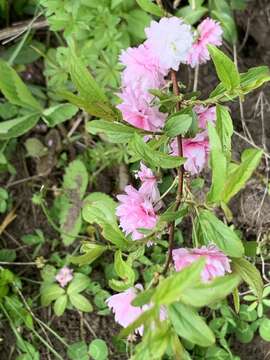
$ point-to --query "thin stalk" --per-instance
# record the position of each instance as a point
(180, 175)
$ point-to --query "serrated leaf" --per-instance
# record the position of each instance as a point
(250, 274)
(169, 290)
(79, 283)
(237, 179)
(148, 6)
(50, 292)
(210, 230)
(57, 114)
(116, 132)
(60, 305)
(91, 253)
(189, 325)
(153, 157)
(202, 294)
(177, 124)
(80, 302)
(17, 127)
(225, 68)
(15, 90)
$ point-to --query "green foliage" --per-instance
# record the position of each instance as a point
(65, 297)
(209, 229)
(98, 349)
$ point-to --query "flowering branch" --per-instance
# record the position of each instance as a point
(180, 174)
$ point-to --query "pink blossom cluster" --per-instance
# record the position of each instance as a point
(216, 263)
(64, 276)
(137, 208)
(167, 45)
(125, 313)
(196, 150)
(209, 32)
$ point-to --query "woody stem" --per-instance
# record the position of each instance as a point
(180, 173)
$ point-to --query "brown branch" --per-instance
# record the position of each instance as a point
(21, 28)
(180, 173)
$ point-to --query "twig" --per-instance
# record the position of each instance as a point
(15, 31)
(180, 174)
(196, 78)
(251, 142)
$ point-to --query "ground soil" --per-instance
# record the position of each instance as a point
(251, 208)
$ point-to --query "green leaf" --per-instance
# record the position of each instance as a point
(153, 157)
(35, 148)
(80, 302)
(50, 292)
(57, 114)
(170, 289)
(98, 108)
(123, 269)
(228, 25)
(98, 349)
(15, 90)
(224, 127)
(74, 185)
(143, 297)
(210, 229)
(115, 236)
(250, 274)
(202, 294)
(218, 165)
(17, 127)
(78, 351)
(189, 325)
(100, 208)
(116, 132)
(191, 16)
(264, 329)
(149, 7)
(79, 283)
(225, 68)
(177, 124)
(251, 80)
(137, 21)
(76, 178)
(237, 179)
(244, 333)
(91, 253)
(90, 91)
(60, 305)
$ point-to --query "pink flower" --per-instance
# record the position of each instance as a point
(205, 114)
(196, 151)
(137, 110)
(149, 186)
(135, 211)
(217, 264)
(170, 40)
(64, 276)
(209, 32)
(141, 68)
(125, 313)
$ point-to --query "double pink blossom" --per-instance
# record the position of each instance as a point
(217, 263)
(195, 150)
(135, 211)
(149, 186)
(64, 276)
(125, 313)
(205, 115)
(138, 111)
(170, 40)
(209, 32)
(141, 68)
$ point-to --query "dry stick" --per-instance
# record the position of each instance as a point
(180, 173)
(17, 30)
